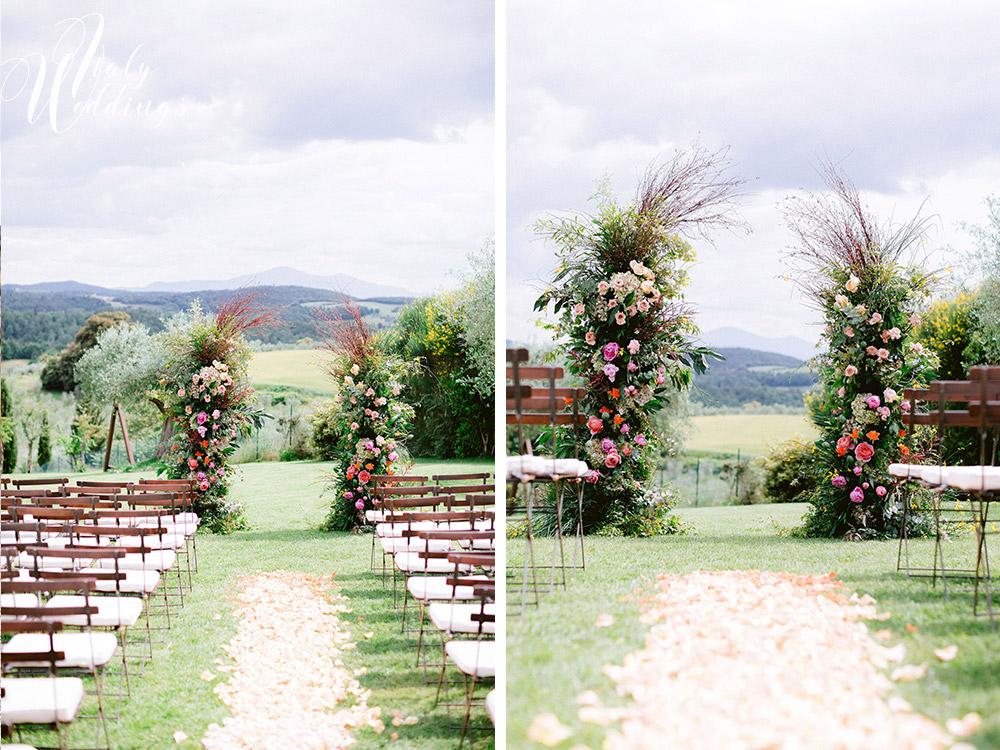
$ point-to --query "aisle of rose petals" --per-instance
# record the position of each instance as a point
(288, 686)
(748, 659)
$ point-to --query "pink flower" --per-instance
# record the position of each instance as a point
(838, 481)
(200, 476)
(590, 337)
(620, 318)
(187, 409)
(369, 445)
(883, 354)
(873, 402)
(640, 439)
(643, 305)
(393, 456)
(612, 460)
(850, 371)
(349, 495)
(610, 351)
(180, 393)
(633, 346)
(857, 495)
(914, 320)
(864, 452)
(884, 411)
(595, 425)
(849, 332)
(216, 414)
(889, 395)
(202, 430)
(881, 491)
(625, 429)
(631, 310)
(841, 391)
(579, 309)
(608, 445)
(192, 463)
(610, 371)
(857, 470)
(875, 319)
(603, 287)
(360, 504)
(865, 485)
(632, 367)
(363, 477)
(204, 485)
(592, 476)
(872, 351)
(202, 417)
(612, 303)
(905, 406)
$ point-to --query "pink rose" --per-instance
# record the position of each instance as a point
(864, 452)
(393, 456)
(610, 371)
(875, 319)
(857, 495)
(592, 476)
(838, 481)
(849, 332)
(865, 485)
(612, 460)
(643, 305)
(192, 463)
(610, 351)
(873, 402)
(608, 445)
(204, 485)
(640, 439)
(905, 406)
(850, 371)
(363, 477)
(579, 309)
(612, 303)
(360, 505)
(620, 318)
(369, 445)
(625, 429)
(590, 337)
(872, 351)
(857, 470)
(883, 354)
(603, 287)
(595, 425)
(202, 430)
(632, 367)
(349, 495)
(881, 491)
(180, 393)
(216, 414)
(889, 395)
(841, 391)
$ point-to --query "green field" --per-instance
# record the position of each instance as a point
(300, 368)
(750, 434)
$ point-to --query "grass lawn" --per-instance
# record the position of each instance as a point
(751, 434)
(554, 652)
(285, 507)
(298, 367)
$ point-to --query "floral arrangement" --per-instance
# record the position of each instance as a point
(623, 326)
(206, 391)
(373, 420)
(854, 271)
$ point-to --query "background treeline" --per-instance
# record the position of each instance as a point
(37, 324)
(748, 375)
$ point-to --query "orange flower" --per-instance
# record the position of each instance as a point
(605, 410)
(873, 435)
(369, 466)
(204, 443)
(569, 401)
(841, 450)
(618, 419)
(614, 393)
(854, 434)
(902, 433)
(904, 450)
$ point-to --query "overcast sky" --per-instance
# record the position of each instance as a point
(348, 137)
(904, 94)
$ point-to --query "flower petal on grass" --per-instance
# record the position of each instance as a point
(588, 698)
(179, 736)
(908, 672)
(208, 676)
(604, 621)
(968, 724)
(947, 653)
(548, 730)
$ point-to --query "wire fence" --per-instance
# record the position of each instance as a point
(711, 481)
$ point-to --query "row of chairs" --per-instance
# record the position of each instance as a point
(90, 572)
(434, 538)
(956, 496)
(542, 485)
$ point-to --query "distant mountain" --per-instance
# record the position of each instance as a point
(749, 375)
(59, 287)
(284, 276)
(791, 346)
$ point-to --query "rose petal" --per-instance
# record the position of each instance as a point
(947, 653)
(604, 621)
(968, 724)
(548, 730)
(179, 736)
(908, 672)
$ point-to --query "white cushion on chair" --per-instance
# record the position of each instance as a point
(18, 600)
(973, 478)
(450, 617)
(160, 559)
(154, 541)
(906, 471)
(40, 700)
(933, 475)
(527, 467)
(397, 529)
(491, 705)
(112, 611)
(436, 588)
(394, 544)
(411, 562)
(135, 582)
(476, 658)
(83, 650)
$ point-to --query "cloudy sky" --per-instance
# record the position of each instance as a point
(208, 140)
(904, 95)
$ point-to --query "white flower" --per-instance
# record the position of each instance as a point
(841, 301)
(348, 380)
(852, 283)
(646, 287)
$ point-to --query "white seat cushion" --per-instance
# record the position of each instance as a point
(135, 582)
(112, 611)
(411, 562)
(40, 700)
(161, 559)
(83, 650)
(527, 467)
(477, 658)
(436, 588)
(491, 705)
(18, 600)
(451, 617)
(397, 529)
(906, 471)
(154, 541)
(973, 478)
(401, 544)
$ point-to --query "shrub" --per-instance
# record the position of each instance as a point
(789, 472)
(326, 433)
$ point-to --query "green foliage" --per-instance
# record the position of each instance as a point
(122, 367)
(326, 435)
(58, 374)
(986, 260)
(789, 472)
(946, 329)
(45, 440)
(8, 430)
